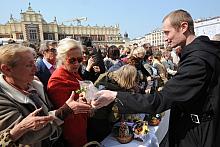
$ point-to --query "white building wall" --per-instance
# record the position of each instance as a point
(155, 38)
(208, 27)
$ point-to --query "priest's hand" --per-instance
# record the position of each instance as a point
(103, 98)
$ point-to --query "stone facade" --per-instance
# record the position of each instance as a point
(33, 28)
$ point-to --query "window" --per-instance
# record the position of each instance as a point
(50, 37)
(33, 33)
(20, 36)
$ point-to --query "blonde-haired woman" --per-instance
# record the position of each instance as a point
(63, 81)
(123, 79)
(138, 52)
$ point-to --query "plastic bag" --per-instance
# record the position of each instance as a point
(89, 89)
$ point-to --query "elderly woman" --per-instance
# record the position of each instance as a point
(20, 95)
(63, 81)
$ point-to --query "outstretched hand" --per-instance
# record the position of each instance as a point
(77, 107)
(104, 98)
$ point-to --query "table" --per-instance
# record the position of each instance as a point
(154, 136)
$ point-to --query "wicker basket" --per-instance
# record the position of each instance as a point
(92, 143)
(124, 140)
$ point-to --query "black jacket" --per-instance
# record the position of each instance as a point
(195, 89)
(92, 75)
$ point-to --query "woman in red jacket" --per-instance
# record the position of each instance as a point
(63, 81)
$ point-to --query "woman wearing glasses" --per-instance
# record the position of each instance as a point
(63, 81)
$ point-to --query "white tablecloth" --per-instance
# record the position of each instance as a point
(154, 136)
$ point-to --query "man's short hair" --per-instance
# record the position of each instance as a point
(45, 45)
(179, 16)
(51, 43)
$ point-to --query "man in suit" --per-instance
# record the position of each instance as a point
(193, 94)
(46, 65)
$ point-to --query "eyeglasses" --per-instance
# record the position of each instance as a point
(53, 50)
(73, 60)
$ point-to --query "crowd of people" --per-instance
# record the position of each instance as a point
(40, 105)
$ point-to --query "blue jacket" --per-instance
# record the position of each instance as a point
(43, 73)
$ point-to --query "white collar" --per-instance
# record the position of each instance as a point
(16, 94)
(48, 65)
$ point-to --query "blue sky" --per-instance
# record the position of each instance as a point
(137, 17)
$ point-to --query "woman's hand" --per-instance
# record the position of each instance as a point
(34, 122)
(77, 107)
(90, 64)
(30, 123)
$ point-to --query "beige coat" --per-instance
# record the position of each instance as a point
(14, 107)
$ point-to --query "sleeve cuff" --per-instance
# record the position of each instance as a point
(63, 111)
